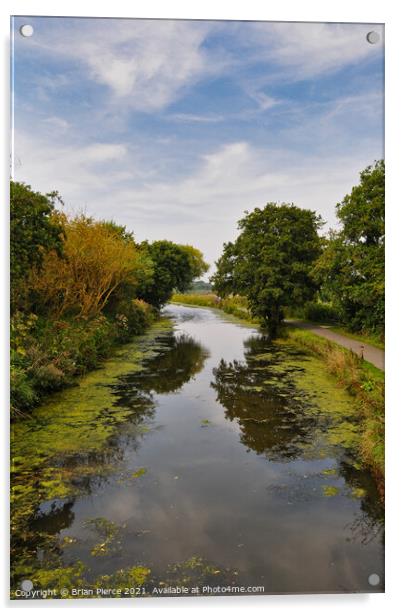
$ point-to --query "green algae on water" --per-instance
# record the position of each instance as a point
(138, 473)
(330, 490)
(65, 442)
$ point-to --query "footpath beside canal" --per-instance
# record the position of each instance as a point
(370, 353)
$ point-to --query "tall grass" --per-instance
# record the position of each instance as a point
(209, 300)
(364, 382)
(235, 305)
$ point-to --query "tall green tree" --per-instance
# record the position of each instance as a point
(34, 231)
(270, 262)
(175, 266)
(351, 268)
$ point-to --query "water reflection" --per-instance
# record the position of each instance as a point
(272, 414)
(211, 456)
(280, 421)
(173, 361)
(180, 358)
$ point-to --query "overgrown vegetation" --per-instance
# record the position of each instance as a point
(316, 311)
(79, 286)
(363, 381)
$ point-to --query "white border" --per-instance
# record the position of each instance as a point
(384, 11)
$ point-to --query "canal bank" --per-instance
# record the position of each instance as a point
(218, 458)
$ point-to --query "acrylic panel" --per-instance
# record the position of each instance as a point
(197, 308)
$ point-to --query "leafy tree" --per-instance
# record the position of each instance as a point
(34, 231)
(223, 279)
(351, 268)
(99, 259)
(270, 262)
(197, 265)
(175, 266)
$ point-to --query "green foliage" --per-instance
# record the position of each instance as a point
(132, 317)
(34, 231)
(132, 577)
(175, 267)
(365, 384)
(79, 287)
(351, 268)
(271, 261)
(223, 280)
(317, 311)
(238, 307)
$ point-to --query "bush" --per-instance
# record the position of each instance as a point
(46, 355)
(132, 318)
(22, 392)
(93, 340)
(320, 312)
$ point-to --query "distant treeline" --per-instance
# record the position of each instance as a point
(281, 264)
(78, 287)
(200, 286)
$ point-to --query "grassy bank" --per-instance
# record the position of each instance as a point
(236, 306)
(377, 341)
(47, 354)
(361, 380)
(320, 313)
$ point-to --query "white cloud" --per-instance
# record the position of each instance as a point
(197, 118)
(58, 124)
(146, 64)
(201, 208)
(264, 101)
(160, 186)
(306, 50)
(74, 171)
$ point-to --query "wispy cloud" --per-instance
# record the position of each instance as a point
(174, 128)
(107, 181)
(59, 124)
(192, 117)
(144, 64)
(309, 50)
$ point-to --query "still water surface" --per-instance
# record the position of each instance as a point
(223, 459)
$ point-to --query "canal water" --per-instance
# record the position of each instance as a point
(201, 456)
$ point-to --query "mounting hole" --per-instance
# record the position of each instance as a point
(373, 37)
(26, 30)
(26, 585)
(374, 579)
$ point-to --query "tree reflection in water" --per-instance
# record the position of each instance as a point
(262, 397)
(180, 358)
(35, 544)
(281, 422)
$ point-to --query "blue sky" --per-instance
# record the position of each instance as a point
(175, 128)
